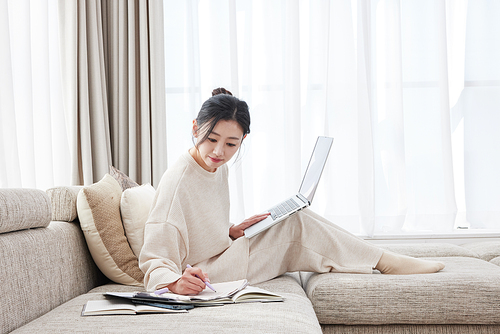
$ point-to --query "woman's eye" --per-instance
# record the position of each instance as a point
(231, 145)
(212, 140)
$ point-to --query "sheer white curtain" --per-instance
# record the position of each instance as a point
(408, 89)
(34, 150)
(477, 116)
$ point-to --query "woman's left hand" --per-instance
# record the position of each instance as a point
(237, 231)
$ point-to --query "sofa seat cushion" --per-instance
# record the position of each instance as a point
(294, 315)
(430, 250)
(496, 261)
(411, 329)
(466, 291)
(486, 250)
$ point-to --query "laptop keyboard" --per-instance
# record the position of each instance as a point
(283, 208)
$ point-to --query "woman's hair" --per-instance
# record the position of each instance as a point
(222, 106)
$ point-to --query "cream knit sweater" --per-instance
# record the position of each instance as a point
(189, 224)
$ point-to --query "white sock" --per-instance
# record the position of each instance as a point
(396, 264)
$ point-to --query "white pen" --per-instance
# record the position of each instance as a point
(161, 291)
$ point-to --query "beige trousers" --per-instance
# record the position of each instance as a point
(308, 242)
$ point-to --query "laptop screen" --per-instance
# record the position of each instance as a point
(315, 167)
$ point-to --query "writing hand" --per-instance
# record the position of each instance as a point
(237, 231)
(189, 284)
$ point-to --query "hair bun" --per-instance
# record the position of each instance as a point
(221, 90)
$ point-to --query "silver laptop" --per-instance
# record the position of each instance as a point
(306, 192)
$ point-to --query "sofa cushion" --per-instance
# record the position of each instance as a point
(430, 250)
(123, 179)
(411, 329)
(466, 291)
(415, 250)
(41, 269)
(134, 207)
(496, 261)
(99, 214)
(486, 250)
(294, 315)
(63, 200)
(22, 209)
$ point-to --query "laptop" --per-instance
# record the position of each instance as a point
(307, 189)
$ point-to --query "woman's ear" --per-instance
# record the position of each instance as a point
(195, 129)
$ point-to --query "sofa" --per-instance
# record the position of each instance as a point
(48, 274)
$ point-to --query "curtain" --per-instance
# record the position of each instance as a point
(114, 88)
(32, 121)
(408, 89)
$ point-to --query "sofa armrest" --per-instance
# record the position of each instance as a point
(63, 201)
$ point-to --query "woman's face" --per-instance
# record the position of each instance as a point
(220, 146)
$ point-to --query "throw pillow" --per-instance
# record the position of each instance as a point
(122, 178)
(134, 206)
(98, 207)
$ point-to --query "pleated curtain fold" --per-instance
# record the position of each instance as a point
(112, 53)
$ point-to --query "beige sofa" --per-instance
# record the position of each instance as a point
(48, 275)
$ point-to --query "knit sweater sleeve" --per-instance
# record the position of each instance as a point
(161, 261)
(164, 247)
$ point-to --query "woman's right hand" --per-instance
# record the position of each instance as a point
(189, 284)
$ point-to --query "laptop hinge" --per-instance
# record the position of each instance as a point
(303, 199)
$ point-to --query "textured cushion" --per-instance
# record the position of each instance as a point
(496, 261)
(411, 329)
(23, 208)
(99, 214)
(430, 250)
(63, 201)
(466, 291)
(134, 207)
(42, 268)
(122, 178)
(486, 250)
(294, 315)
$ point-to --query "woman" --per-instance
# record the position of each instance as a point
(189, 222)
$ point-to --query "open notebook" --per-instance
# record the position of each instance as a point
(227, 293)
(122, 307)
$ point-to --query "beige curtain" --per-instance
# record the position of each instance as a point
(113, 75)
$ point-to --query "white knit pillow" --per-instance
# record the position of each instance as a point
(134, 206)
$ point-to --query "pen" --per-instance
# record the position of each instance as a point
(161, 291)
(206, 282)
